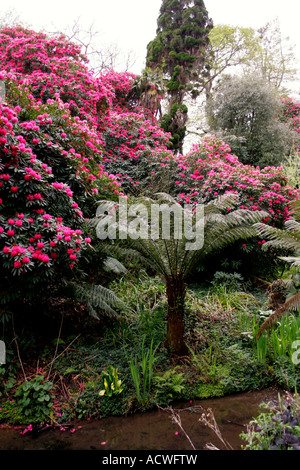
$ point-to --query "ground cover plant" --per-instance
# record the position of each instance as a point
(91, 329)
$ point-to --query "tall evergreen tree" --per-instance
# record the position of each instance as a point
(178, 50)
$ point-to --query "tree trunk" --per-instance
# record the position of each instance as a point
(175, 290)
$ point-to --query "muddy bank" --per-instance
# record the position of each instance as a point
(155, 430)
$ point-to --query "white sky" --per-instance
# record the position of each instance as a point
(132, 23)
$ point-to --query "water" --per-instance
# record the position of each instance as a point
(153, 430)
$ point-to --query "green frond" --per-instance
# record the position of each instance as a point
(288, 238)
(112, 264)
(223, 202)
(165, 197)
(294, 261)
(170, 256)
(99, 299)
(290, 305)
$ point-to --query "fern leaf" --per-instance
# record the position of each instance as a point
(112, 264)
(98, 299)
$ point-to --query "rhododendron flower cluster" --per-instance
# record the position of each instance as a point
(291, 112)
(50, 65)
(210, 170)
(33, 207)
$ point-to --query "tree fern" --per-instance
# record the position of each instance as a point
(174, 262)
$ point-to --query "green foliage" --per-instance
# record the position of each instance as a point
(10, 413)
(231, 281)
(142, 372)
(263, 51)
(275, 428)
(99, 300)
(247, 107)
(289, 241)
(207, 390)
(88, 404)
(110, 382)
(34, 399)
(291, 168)
(169, 384)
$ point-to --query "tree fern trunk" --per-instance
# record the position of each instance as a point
(175, 290)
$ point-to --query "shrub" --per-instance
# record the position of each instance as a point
(275, 429)
(34, 399)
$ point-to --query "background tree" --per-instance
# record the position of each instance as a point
(101, 58)
(245, 111)
(264, 52)
(10, 17)
(229, 46)
(274, 60)
(179, 51)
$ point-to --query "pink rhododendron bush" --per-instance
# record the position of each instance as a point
(291, 112)
(50, 159)
(210, 170)
(62, 132)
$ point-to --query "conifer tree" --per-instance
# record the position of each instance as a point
(178, 50)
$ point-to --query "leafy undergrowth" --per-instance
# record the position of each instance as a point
(276, 428)
(114, 367)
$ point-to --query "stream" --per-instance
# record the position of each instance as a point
(154, 430)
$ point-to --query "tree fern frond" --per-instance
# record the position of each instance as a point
(287, 239)
(223, 202)
(99, 299)
(293, 225)
(294, 261)
(166, 197)
(290, 305)
(112, 264)
(170, 257)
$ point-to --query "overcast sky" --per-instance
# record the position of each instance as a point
(132, 23)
